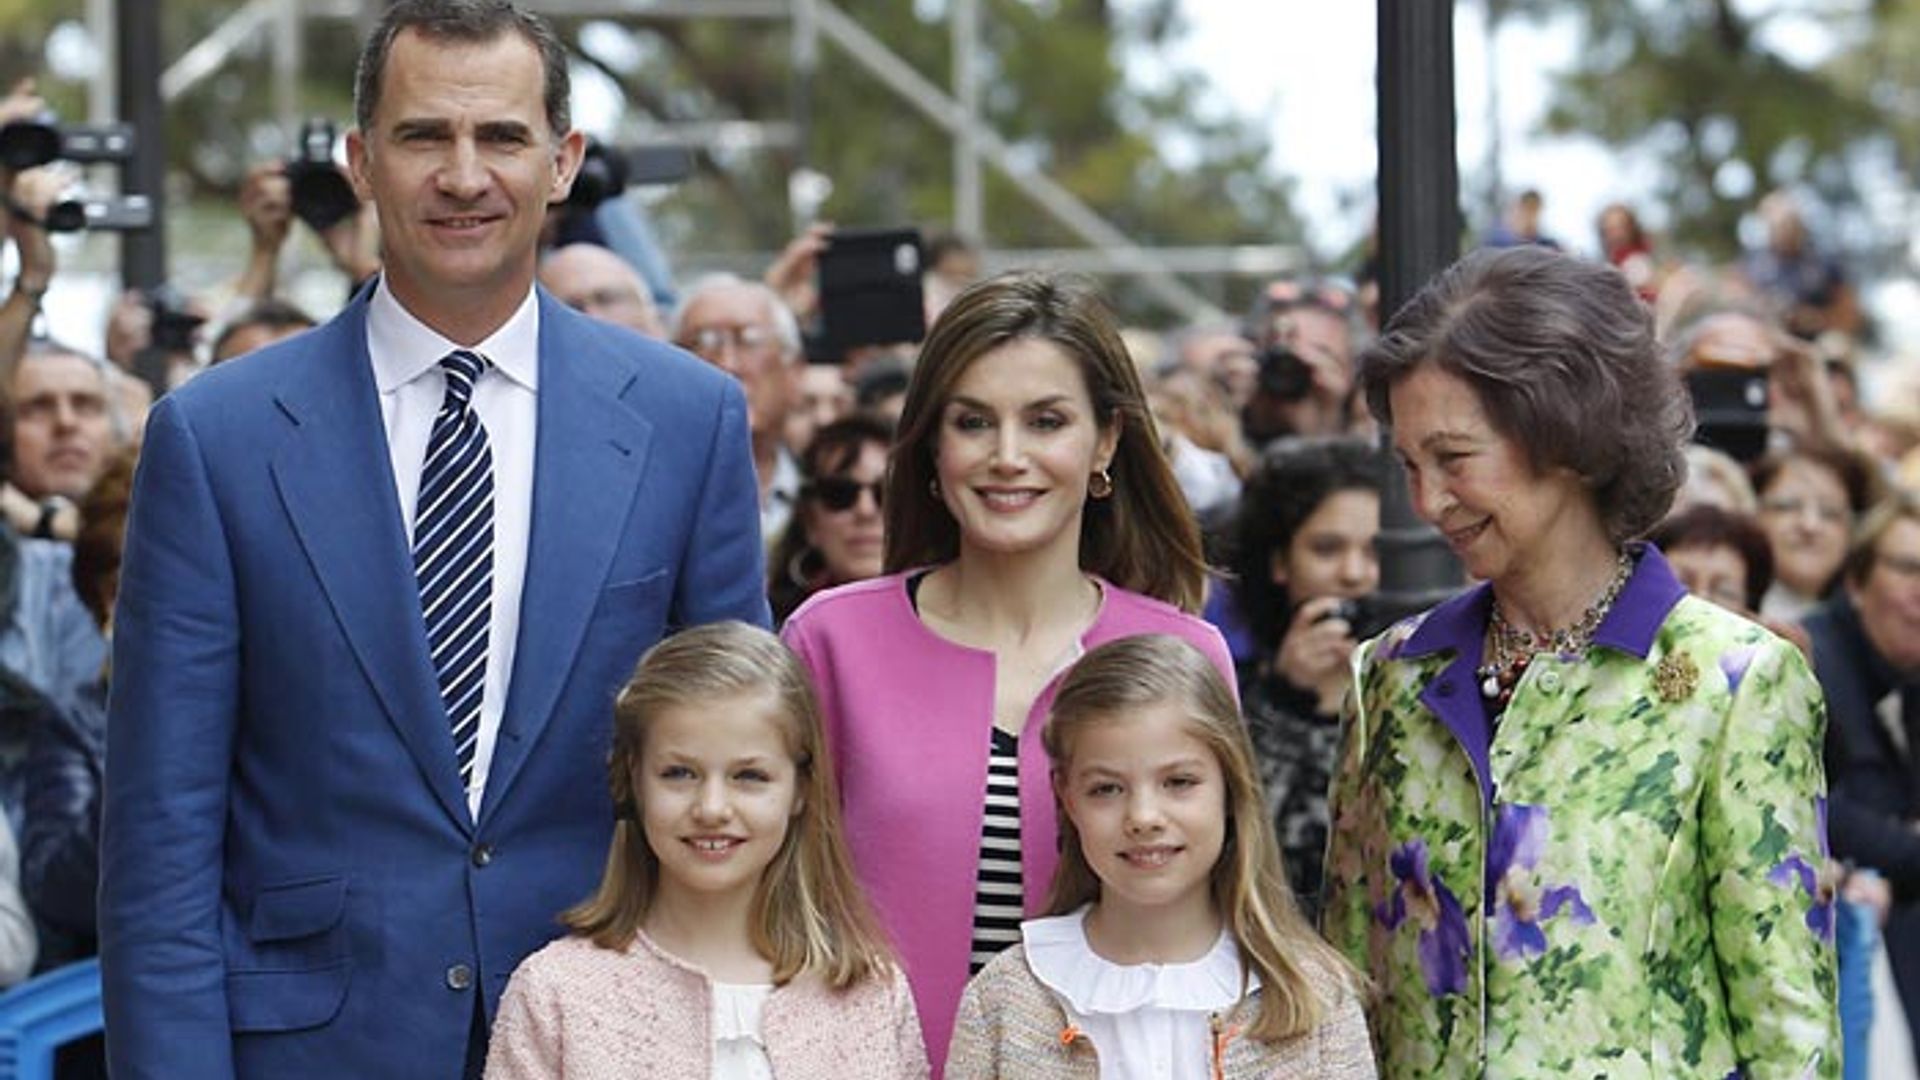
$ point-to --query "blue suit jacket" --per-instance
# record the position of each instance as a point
(292, 884)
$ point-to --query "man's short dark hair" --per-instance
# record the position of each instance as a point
(269, 314)
(468, 22)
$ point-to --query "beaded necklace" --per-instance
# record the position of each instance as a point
(1511, 649)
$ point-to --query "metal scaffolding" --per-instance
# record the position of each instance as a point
(815, 23)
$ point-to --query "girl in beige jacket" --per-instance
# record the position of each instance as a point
(1171, 946)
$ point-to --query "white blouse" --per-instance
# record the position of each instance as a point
(738, 1052)
(1146, 1021)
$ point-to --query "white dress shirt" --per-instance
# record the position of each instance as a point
(406, 357)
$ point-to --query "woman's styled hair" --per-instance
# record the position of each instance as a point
(793, 569)
(1293, 479)
(1250, 890)
(1142, 537)
(1562, 356)
(809, 914)
(1706, 526)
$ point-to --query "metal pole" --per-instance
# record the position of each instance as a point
(1419, 236)
(143, 254)
(968, 214)
(286, 67)
(806, 61)
(1496, 13)
(100, 88)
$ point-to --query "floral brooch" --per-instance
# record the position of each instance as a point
(1675, 677)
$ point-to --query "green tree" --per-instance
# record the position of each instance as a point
(1694, 83)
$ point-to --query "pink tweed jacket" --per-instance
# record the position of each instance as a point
(576, 1011)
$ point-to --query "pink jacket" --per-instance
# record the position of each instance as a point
(909, 717)
(576, 1011)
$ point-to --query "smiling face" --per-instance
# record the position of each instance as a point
(1806, 516)
(1503, 518)
(1018, 444)
(1332, 552)
(717, 790)
(1888, 599)
(1150, 805)
(460, 164)
(851, 539)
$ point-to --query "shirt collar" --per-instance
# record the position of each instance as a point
(1459, 624)
(403, 348)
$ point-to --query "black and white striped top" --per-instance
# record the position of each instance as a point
(997, 895)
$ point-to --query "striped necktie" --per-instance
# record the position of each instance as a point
(453, 552)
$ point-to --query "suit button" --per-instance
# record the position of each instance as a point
(1550, 681)
(459, 977)
(482, 854)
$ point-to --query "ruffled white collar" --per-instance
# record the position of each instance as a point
(1060, 956)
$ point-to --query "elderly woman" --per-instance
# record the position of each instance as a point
(1578, 818)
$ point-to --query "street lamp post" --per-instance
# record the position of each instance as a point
(143, 253)
(1420, 227)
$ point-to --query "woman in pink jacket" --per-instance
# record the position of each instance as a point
(1030, 517)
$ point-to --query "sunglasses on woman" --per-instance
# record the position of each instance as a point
(841, 492)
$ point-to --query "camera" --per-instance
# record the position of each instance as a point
(322, 196)
(29, 144)
(871, 291)
(1365, 616)
(606, 171)
(1730, 409)
(173, 324)
(1283, 374)
(127, 213)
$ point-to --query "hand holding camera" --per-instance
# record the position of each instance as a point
(266, 204)
(1316, 653)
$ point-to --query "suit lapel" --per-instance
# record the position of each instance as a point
(335, 478)
(590, 453)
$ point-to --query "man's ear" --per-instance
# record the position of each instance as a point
(357, 165)
(567, 156)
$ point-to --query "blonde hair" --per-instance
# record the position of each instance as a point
(1142, 537)
(808, 912)
(1249, 886)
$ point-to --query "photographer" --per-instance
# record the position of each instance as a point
(312, 188)
(1305, 566)
(1304, 335)
(1801, 409)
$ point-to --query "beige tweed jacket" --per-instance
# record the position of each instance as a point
(1011, 1027)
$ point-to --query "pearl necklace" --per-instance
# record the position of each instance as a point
(1512, 649)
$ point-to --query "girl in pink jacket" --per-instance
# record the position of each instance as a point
(728, 939)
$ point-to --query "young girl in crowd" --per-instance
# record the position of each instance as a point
(1170, 946)
(728, 939)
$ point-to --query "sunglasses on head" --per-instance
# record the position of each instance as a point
(841, 492)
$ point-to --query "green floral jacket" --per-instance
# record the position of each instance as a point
(1625, 879)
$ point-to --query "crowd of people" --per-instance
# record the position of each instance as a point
(541, 668)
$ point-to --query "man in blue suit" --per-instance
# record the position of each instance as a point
(381, 583)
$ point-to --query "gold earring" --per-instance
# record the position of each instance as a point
(1101, 485)
(933, 487)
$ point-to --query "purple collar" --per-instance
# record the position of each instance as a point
(1459, 624)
